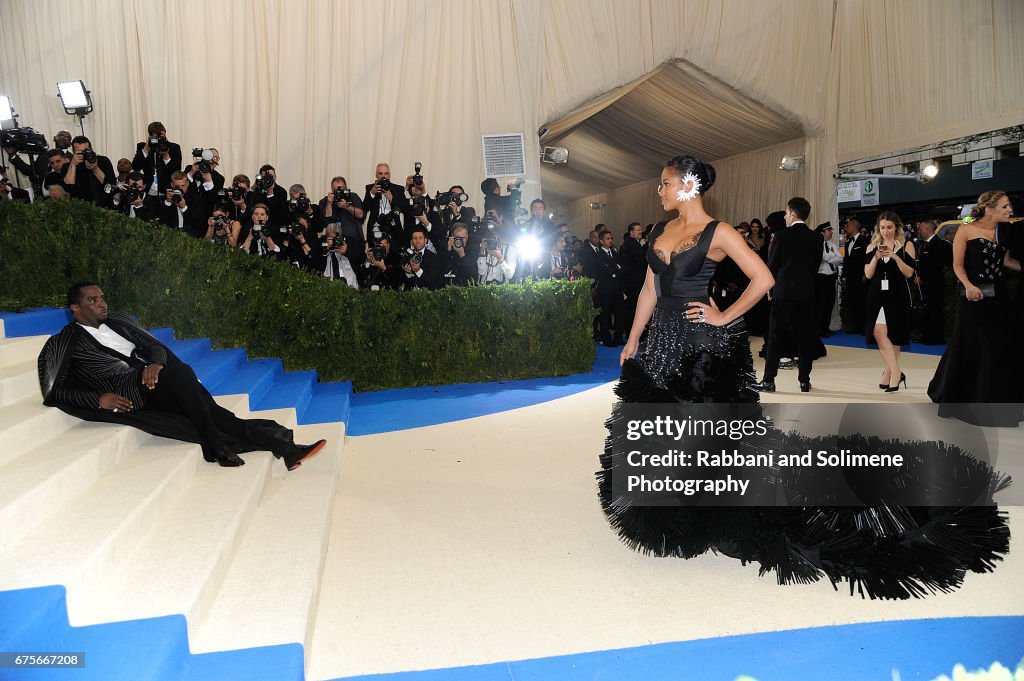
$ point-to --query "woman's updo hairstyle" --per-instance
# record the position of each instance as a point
(705, 172)
(987, 200)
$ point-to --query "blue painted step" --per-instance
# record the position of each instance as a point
(155, 649)
(35, 322)
(292, 389)
(216, 365)
(330, 403)
(254, 377)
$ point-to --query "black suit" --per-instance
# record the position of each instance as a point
(855, 288)
(612, 320)
(431, 269)
(793, 260)
(75, 370)
(371, 204)
(86, 185)
(933, 257)
(633, 257)
(192, 221)
(20, 195)
(144, 164)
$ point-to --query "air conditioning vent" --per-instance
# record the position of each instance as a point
(504, 155)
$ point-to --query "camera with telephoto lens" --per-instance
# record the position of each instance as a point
(220, 230)
(341, 195)
(384, 184)
(299, 204)
(263, 182)
(388, 223)
(418, 206)
(411, 257)
(334, 241)
(203, 157)
(159, 144)
(377, 244)
(293, 230)
(459, 242)
(88, 155)
(257, 229)
(417, 179)
(24, 140)
(235, 193)
(444, 198)
(130, 193)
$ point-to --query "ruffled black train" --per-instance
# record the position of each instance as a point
(882, 551)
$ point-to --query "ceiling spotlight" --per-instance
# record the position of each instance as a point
(556, 156)
(596, 206)
(791, 163)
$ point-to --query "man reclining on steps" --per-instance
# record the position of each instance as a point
(105, 367)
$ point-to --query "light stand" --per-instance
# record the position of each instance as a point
(76, 99)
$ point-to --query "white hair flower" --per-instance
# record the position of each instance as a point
(694, 182)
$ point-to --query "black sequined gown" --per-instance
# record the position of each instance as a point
(978, 364)
(882, 552)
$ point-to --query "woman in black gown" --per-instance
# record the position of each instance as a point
(695, 353)
(889, 266)
(977, 366)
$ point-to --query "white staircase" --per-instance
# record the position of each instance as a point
(137, 526)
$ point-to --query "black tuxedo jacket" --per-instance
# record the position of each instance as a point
(371, 204)
(144, 164)
(933, 257)
(794, 260)
(193, 220)
(20, 195)
(86, 186)
(608, 273)
(634, 264)
(853, 260)
(433, 270)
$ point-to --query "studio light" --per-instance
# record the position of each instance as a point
(791, 163)
(6, 109)
(556, 156)
(75, 98)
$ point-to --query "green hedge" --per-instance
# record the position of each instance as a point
(376, 340)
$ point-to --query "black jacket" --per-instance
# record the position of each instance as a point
(144, 164)
(794, 260)
(853, 260)
(371, 204)
(933, 257)
(86, 186)
(432, 269)
(634, 264)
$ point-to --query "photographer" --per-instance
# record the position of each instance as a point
(54, 177)
(344, 210)
(87, 173)
(300, 204)
(300, 245)
(183, 207)
(460, 270)
(498, 259)
(267, 191)
(562, 261)
(381, 199)
(130, 199)
(505, 206)
(238, 197)
(259, 240)
(422, 267)
(9, 192)
(202, 172)
(381, 269)
(539, 225)
(221, 230)
(334, 261)
(420, 213)
(452, 208)
(157, 155)
(37, 170)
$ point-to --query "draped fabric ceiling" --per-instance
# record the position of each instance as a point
(322, 88)
(627, 135)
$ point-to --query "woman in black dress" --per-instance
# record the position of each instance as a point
(693, 354)
(890, 265)
(977, 366)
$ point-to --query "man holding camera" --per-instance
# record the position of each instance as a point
(267, 191)
(422, 267)
(87, 173)
(505, 206)
(38, 169)
(221, 230)
(343, 213)
(382, 269)
(203, 172)
(334, 261)
(182, 206)
(300, 245)
(498, 260)
(461, 270)
(9, 192)
(383, 198)
(130, 198)
(420, 213)
(157, 156)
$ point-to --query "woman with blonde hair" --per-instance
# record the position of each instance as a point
(889, 264)
(977, 364)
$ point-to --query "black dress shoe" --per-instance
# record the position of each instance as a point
(302, 453)
(764, 386)
(229, 460)
(805, 386)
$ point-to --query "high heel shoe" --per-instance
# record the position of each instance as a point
(894, 388)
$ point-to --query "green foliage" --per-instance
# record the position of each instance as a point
(376, 340)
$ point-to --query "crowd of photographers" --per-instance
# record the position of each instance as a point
(394, 235)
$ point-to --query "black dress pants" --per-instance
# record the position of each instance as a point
(178, 391)
(789, 316)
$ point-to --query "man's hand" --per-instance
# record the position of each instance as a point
(497, 254)
(76, 158)
(150, 375)
(114, 402)
(11, 151)
(414, 267)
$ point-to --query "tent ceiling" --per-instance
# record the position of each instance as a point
(625, 135)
